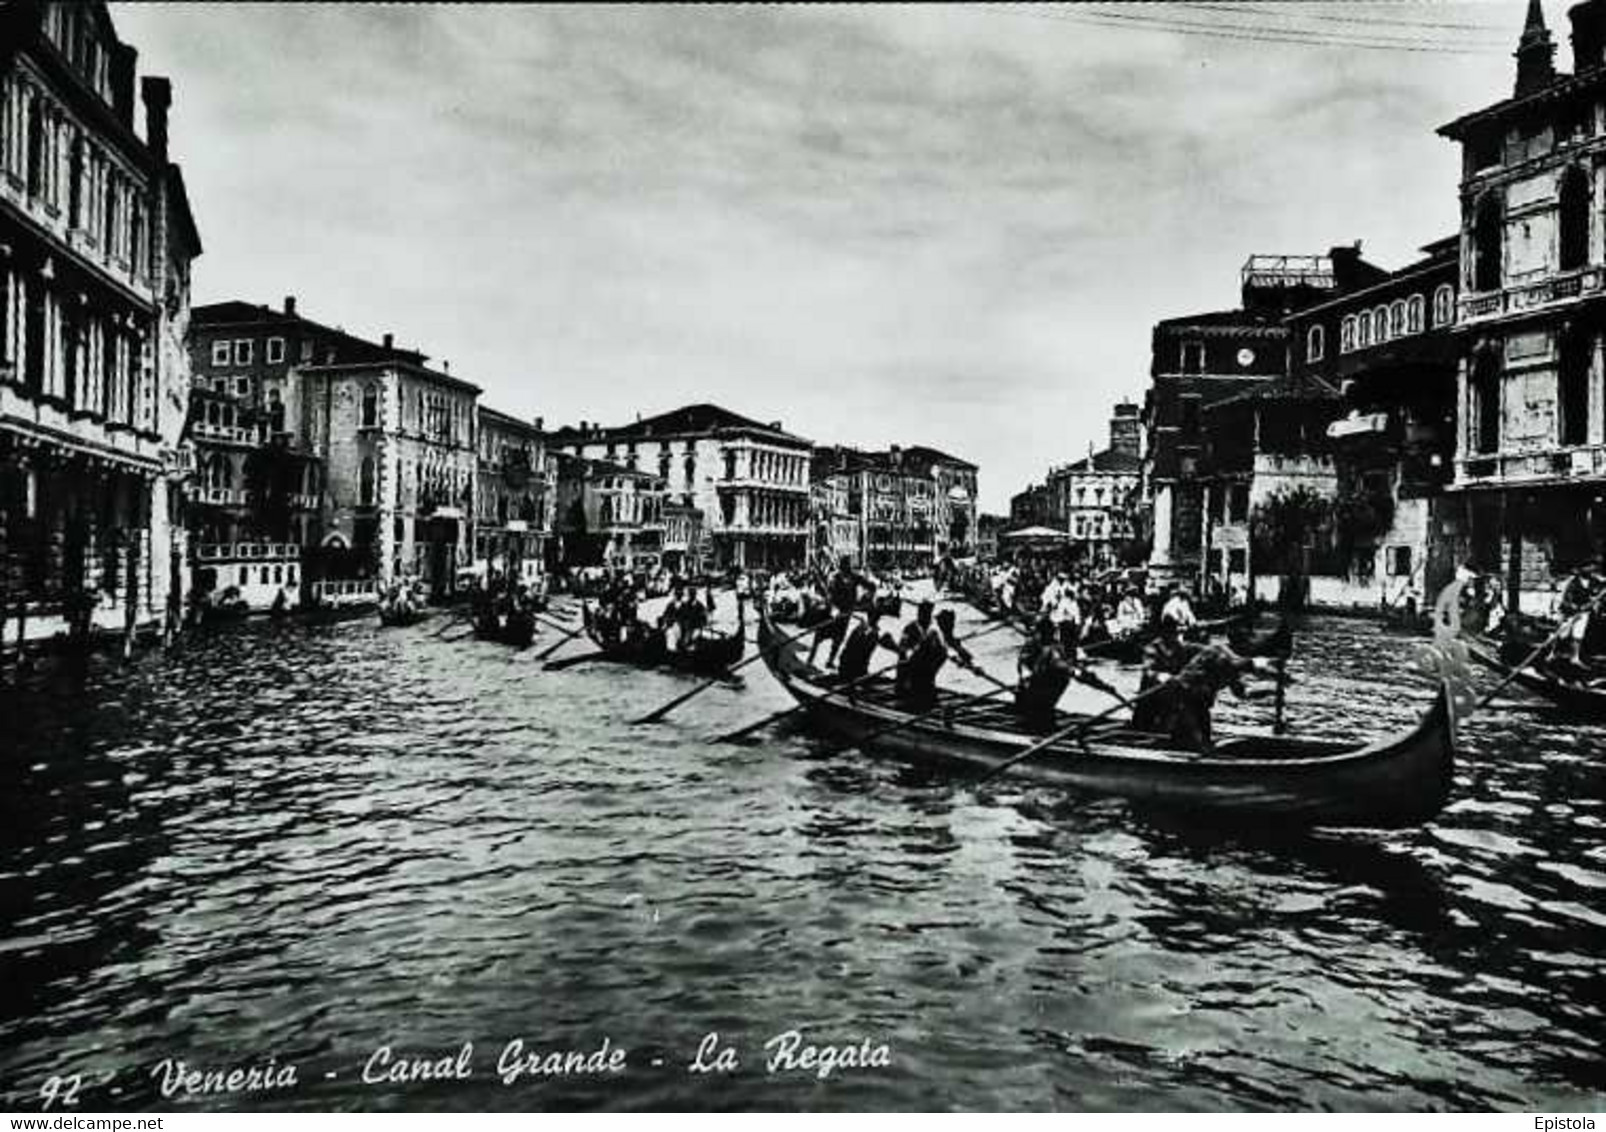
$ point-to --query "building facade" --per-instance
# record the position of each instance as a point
(1096, 499)
(397, 443)
(1200, 359)
(608, 515)
(1530, 451)
(515, 494)
(96, 246)
(749, 480)
(1390, 351)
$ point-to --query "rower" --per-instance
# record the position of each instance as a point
(1576, 600)
(924, 649)
(1181, 709)
(1046, 669)
(854, 661)
(843, 593)
(1178, 609)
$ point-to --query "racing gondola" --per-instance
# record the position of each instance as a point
(1249, 781)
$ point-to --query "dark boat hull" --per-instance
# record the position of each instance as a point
(1250, 782)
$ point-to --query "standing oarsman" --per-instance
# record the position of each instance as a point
(842, 592)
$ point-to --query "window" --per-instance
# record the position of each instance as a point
(1574, 381)
(1238, 503)
(242, 386)
(1190, 416)
(220, 353)
(1573, 222)
(275, 350)
(1363, 331)
(1443, 305)
(1213, 562)
(1413, 314)
(242, 351)
(1380, 325)
(1397, 319)
(365, 487)
(1237, 560)
(1193, 357)
(1399, 560)
(1486, 410)
(1346, 334)
(1488, 238)
(1314, 344)
(306, 350)
(370, 406)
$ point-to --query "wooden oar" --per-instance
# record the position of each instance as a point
(568, 635)
(776, 717)
(571, 661)
(1074, 728)
(911, 720)
(658, 713)
(1538, 652)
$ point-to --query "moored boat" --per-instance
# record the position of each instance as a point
(1251, 780)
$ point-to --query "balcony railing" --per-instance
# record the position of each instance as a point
(220, 496)
(247, 552)
(226, 434)
(1535, 295)
(1582, 463)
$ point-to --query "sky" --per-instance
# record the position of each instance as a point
(941, 225)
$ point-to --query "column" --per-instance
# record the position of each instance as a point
(1597, 391)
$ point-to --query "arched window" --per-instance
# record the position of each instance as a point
(1488, 240)
(1443, 306)
(1363, 331)
(1573, 223)
(1346, 334)
(1315, 343)
(1413, 314)
(370, 406)
(365, 490)
(1380, 325)
(1397, 318)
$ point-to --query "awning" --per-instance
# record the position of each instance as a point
(1359, 425)
(1041, 534)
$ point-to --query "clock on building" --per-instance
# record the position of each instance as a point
(1246, 357)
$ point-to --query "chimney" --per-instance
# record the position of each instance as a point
(446, 365)
(1589, 34)
(540, 424)
(157, 94)
(290, 305)
(390, 341)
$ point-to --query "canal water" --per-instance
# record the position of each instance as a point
(290, 846)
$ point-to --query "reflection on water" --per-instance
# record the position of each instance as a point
(305, 842)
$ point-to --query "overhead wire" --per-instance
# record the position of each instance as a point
(1088, 15)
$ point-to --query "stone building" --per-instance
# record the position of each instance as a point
(836, 503)
(1390, 351)
(515, 496)
(258, 479)
(749, 480)
(608, 515)
(396, 440)
(96, 245)
(1036, 506)
(1203, 358)
(1530, 453)
(1097, 497)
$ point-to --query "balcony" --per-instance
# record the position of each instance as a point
(1536, 295)
(226, 434)
(220, 496)
(1586, 463)
(247, 552)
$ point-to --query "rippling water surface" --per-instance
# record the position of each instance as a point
(302, 843)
